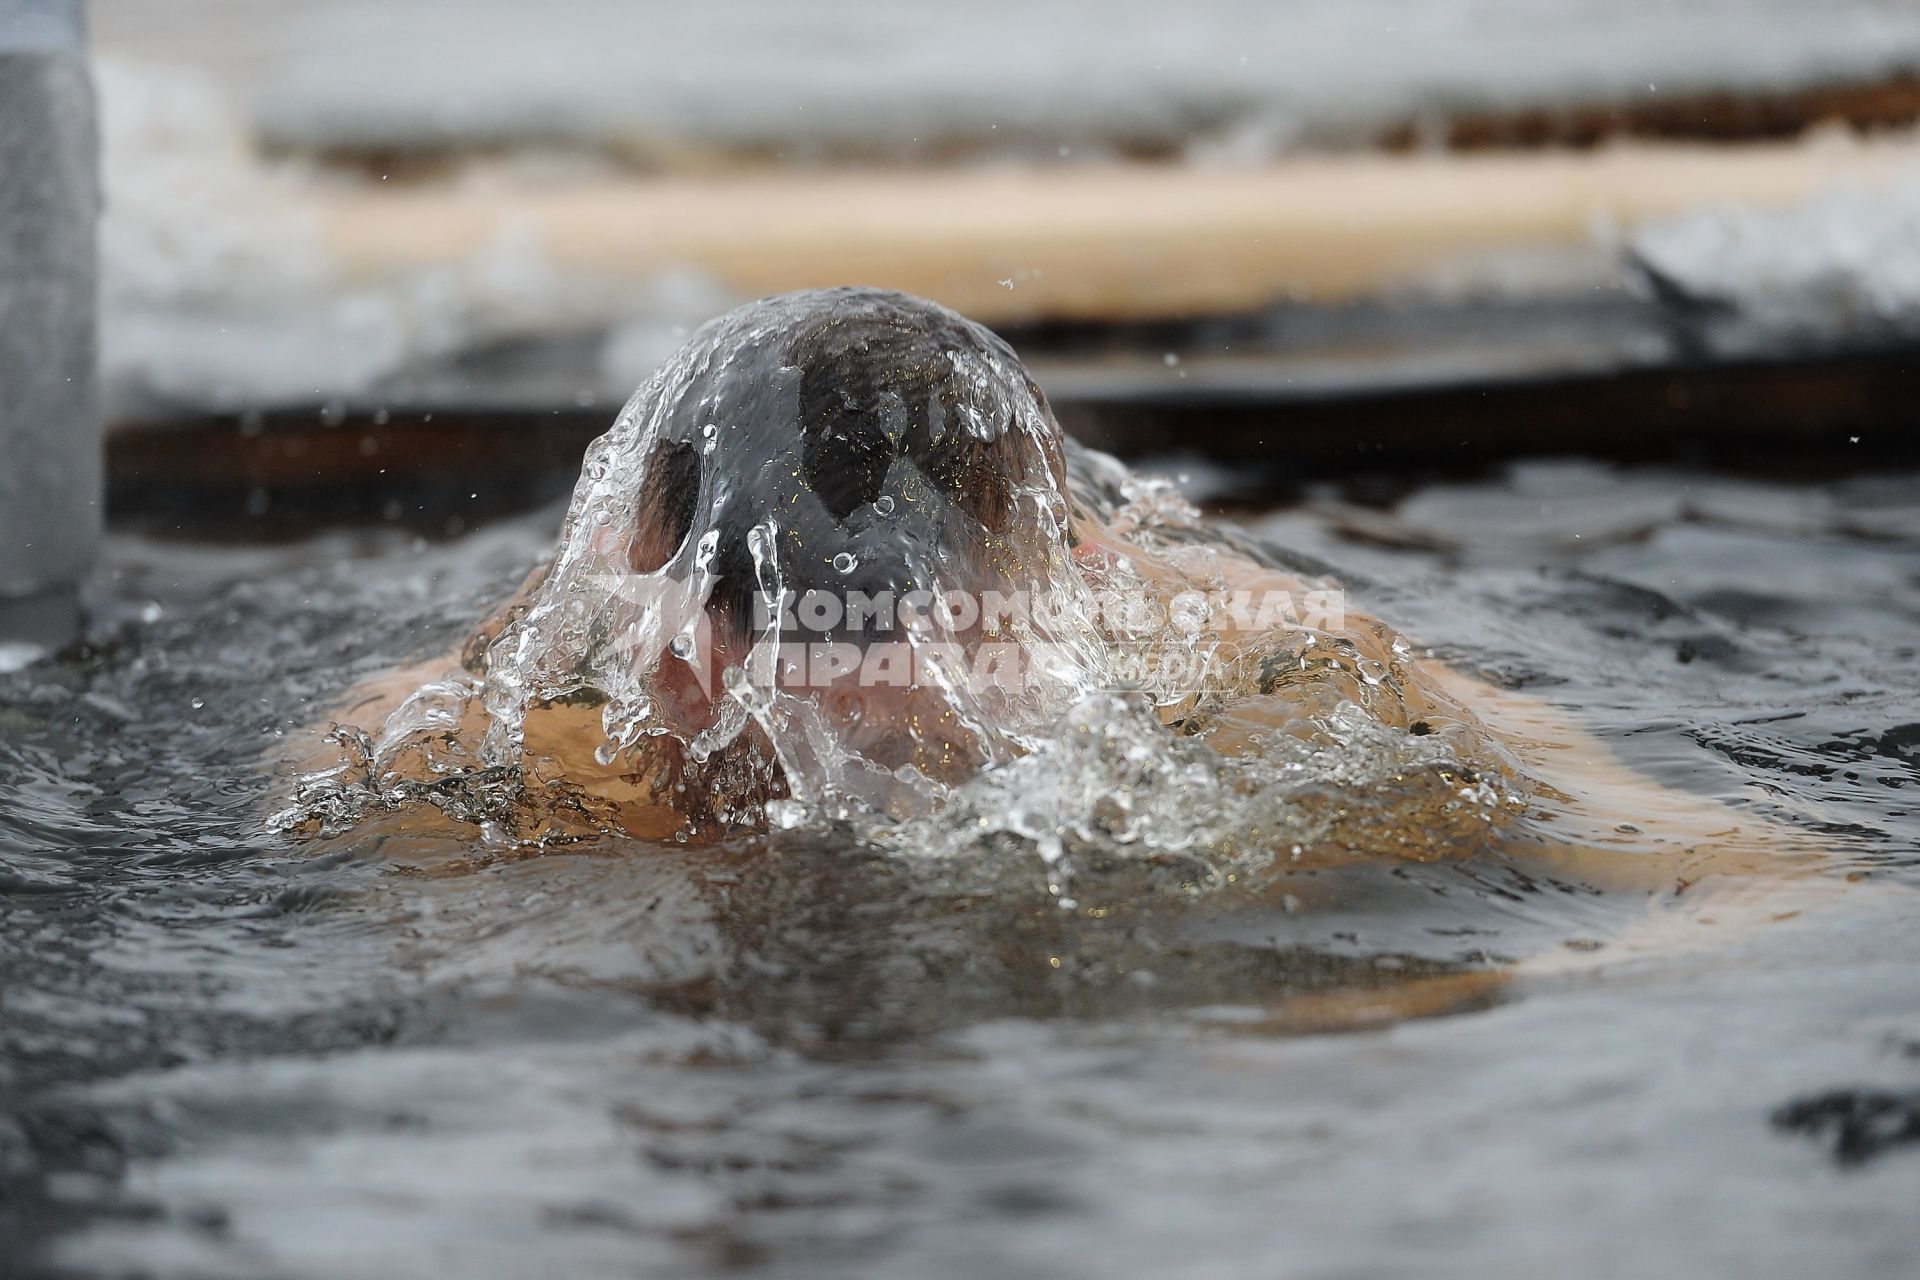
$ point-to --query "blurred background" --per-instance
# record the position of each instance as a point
(402, 258)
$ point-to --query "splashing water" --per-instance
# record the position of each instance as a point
(1078, 663)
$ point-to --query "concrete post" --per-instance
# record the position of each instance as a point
(50, 470)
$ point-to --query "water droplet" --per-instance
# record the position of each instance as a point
(786, 814)
(883, 504)
(844, 563)
(198, 703)
(681, 646)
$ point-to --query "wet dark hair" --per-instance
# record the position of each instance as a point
(866, 423)
(879, 385)
(890, 445)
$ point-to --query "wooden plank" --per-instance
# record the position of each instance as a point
(1126, 242)
(1745, 114)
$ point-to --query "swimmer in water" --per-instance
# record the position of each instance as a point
(855, 445)
(753, 603)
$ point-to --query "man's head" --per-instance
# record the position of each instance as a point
(844, 448)
(846, 440)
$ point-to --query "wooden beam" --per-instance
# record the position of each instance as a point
(449, 469)
(1127, 242)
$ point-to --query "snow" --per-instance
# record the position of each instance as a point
(1845, 264)
(1225, 78)
(219, 290)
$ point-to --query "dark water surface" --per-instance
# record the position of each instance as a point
(223, 1054)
